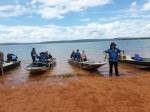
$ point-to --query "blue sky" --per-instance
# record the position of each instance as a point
(48, 20)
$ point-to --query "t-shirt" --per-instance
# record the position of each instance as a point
(33, 53)
(78, 56)
(113, 54)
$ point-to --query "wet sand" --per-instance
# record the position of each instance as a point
(77, 93)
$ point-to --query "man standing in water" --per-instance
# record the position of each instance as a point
(33, 55)
(1, 63)
(113, 58)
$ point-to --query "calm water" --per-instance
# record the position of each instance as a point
(62, 52)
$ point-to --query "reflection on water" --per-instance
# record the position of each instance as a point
(62, 52)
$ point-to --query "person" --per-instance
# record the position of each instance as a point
(43, 60)
(9, 57)
(50, 56)
(78, 55)
(122, 55)
(1, 63)
(113, 58)
(83, 56)
(46, 56)
(72, 56)
(41, 57)
(33, 55)
(14, 57)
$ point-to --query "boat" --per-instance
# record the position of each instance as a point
(10, 65)
(40, 67)
(143, 64)
(87, 65)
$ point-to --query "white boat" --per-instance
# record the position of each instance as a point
(40, 67)
(144, 63)
(10, 65)
(87, 65)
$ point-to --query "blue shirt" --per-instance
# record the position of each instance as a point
(42, 59)
(113, 54)
(78, 56)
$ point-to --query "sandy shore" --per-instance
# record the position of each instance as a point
(79, 94)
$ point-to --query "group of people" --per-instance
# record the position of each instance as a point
(113, 52)
(113, 56)
(43, 57)
(77, 56)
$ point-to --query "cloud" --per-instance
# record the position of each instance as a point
(58, 8)
(49, 9)
(146, 6)
(7, 11)
(114, 29)
(85, 19)
(133, 8)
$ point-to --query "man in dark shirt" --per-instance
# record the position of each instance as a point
(33, 55)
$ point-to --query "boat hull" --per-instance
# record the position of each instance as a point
(86, 65)
(33, 68)
(37, 69)
(145, 64)
(10, 65)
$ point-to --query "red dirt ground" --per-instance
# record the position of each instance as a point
(79, 94)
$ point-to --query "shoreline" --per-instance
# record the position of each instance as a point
(79, 94)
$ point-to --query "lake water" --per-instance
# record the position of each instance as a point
(61, 51)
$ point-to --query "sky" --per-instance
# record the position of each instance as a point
(53, 20)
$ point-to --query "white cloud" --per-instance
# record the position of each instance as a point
(146, 6)
(85, 19)
(7, 11)
(90, 31)
(49, 13)
(58, 8)
(133, 8)
(49, 9)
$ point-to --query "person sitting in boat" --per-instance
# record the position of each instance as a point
(50, 56)
(113, 58)
(78, 55)
(137, 57)
(83, 56)
(46, 56)
(43, 57)
(122, 55)
(72, 56)
(33, 55)
(14, 57)
(11, 57)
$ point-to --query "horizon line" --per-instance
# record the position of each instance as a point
(76, 40)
